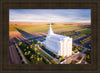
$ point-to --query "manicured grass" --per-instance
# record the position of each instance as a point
(42, 28)
(50, 59)
(86, 31)
(25, 50)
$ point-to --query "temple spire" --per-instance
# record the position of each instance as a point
(50, 32)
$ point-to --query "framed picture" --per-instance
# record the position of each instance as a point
(50, 36)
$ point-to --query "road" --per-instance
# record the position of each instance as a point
(22, 54)
(73, 57)
(14, 57)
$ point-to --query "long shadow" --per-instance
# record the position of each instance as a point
(85, 26)
(25, 34)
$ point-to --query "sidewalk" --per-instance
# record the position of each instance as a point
(49, 55)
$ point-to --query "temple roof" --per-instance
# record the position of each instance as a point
(57, 37)
(52, 35)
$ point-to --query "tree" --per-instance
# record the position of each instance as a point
(57, 56)
(38, 42)
(88, 57)
(35, 49)
(44, 38)
(53, 52)
(89, 50)
(38, 53)
(31, 57)
(41, 59)
(20, 43)
(34, 45)
(90, 45)
(41, 45)
(73, 62)
(29, 52)
(60, 59)
(24, 49)
(35, 41)
(38, 59)
(80, 56)
(75, 50)
(22, 60)
(27, 47)
(31, 46)
(25, 53)
(32, 40)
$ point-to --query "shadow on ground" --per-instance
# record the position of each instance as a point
(26, 36)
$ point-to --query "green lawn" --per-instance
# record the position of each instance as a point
(86, 31)
(42, 28)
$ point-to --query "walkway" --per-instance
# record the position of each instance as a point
(49, 55)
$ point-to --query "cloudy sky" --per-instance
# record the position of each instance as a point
(50, 15)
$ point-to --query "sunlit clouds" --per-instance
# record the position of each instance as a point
(50, 15)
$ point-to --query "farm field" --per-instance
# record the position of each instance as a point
(25, 30)
(43, 28)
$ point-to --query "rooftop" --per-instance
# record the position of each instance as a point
(54, 36)
(57, 37)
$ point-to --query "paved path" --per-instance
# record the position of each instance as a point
(49, 55)
(44, 57)
(21, 54)
(73, 57)
(13, 55)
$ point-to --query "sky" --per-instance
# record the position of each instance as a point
(50, 15)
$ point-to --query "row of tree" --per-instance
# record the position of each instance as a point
(85, 40)
(32, 55)
(77, 48)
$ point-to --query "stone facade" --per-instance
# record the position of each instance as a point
(61, 45)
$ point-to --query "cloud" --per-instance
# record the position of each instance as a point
(50, 15)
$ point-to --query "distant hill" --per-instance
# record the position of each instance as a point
(22, 23)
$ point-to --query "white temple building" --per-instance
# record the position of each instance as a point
(61, 45)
